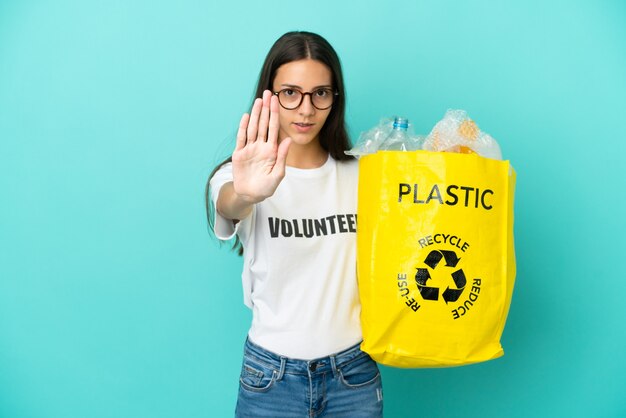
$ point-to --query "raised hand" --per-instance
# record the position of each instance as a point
(258, 159)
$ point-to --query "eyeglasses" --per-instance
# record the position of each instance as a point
(321, 99)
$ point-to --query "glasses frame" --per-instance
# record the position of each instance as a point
(303, 93)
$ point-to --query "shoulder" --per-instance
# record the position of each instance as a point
(348, 167)
(222, 174)
(226, 167)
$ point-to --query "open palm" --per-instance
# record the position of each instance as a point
(258, 159)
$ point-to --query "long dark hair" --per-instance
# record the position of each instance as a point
(295, 46)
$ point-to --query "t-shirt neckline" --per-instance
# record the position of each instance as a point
(311, 172)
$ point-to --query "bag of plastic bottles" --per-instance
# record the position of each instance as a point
(435, 255)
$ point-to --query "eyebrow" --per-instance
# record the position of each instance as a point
(293, 86)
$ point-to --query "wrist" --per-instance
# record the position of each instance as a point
(244, 199)
(233, 205)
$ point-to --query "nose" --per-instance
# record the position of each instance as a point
(306, 107)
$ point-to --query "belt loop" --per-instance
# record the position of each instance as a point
(281, 372)
(333, 364)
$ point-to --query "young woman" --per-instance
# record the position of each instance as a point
(288, 194)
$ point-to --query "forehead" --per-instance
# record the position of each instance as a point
(306, 74)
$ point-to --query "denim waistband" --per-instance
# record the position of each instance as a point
(295, 366)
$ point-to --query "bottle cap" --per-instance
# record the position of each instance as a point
(401, 123)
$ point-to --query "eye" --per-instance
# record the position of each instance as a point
(289, 92)
(322, 93)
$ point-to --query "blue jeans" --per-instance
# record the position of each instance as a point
(346, 384)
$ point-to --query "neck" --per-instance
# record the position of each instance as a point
(311, 155)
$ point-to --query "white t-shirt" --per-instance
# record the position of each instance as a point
(299, 263)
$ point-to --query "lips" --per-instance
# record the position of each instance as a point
(303, 127)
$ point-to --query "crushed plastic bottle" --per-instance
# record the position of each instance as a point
(456, 132)
(398, 139)
(389, 134)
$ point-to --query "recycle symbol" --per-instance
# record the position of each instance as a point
(423, 275)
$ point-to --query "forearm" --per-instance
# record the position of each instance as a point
(231, 205)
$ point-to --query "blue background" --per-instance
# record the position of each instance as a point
(114, 301)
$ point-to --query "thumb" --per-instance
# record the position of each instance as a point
(281, 156)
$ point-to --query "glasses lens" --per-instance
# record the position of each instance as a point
(322, 98)
(289, 99)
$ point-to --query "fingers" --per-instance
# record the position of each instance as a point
(253, 123)
(274, 123)
(241, 132)
(265, 115)
(254, 126)
(281, 157)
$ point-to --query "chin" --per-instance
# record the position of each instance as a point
(300, 139)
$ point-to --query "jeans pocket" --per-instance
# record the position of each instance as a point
(359, 372)
(256, 377)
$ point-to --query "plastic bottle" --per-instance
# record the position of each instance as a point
(398, 139)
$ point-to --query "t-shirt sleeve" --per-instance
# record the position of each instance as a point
(224, 229)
